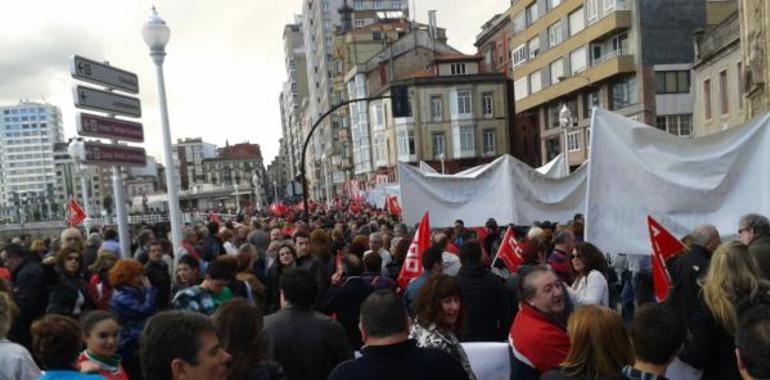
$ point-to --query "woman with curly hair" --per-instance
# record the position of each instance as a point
(732, 285)
(239, 326)
(56, 343)
(590, 286)
(440, 317)
(133, 301)
(287, 258)
(67, 290)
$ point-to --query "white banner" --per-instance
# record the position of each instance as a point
(636, 170)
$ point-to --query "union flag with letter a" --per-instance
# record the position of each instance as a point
(75, 213)
(664, 246)
(412, 267)
(510, 251)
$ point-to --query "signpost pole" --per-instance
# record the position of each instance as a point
(120, 209)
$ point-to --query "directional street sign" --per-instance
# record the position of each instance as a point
(113, 155)
(103, 74)
(103, 101)
(109, 128)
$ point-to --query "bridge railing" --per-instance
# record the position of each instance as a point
(187, 218)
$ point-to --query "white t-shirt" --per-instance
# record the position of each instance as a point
(16, 362)
(590, 290)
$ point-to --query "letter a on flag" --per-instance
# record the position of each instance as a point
(664, 247)
(412, 267)
(510, 251)
(75, 213)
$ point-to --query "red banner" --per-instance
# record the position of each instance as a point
(75, 213)
(392, 205)
(510, 251)
(412, 267)
(664, 246)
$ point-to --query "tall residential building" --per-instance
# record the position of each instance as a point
(28, 132)
(98, 184)
(571, 55)
(717, 77)
(188, 160)
(295, 90)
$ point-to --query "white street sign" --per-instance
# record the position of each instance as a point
(103, 74)
(103, 101)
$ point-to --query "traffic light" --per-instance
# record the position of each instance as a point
(400, 98)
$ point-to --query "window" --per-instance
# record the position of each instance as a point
(379, 4)
(532, 14)
(552, 114)
(591, 99)
(535, 82)
(519, 55)
(379, 119)
(463, 102)
(458, 69)
(519, 22)
(609, 6)
(672, 82)
(358, 4)
(557, 70)
(466, 138)
(438, 145)
(725, 102)
(740, 86)
(592, 10)
(359, 23)
(410, 136)
(533, 46)
(405, 143)
(520, 89)
(576, 21)
(578, 60)
(489, 143)
(436, 108)
(677, 125)
(555, 34)
(623, 93)
(486, 105)
(552, 148)
(395, 4)
(573, 141)
(707, 97)
(553, 4)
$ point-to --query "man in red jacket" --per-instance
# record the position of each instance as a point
(538, 334)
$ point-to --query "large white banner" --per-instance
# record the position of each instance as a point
(506, 189)
(636, 170)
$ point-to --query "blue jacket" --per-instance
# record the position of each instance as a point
(132, 306)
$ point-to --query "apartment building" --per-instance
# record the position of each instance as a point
(189, 154)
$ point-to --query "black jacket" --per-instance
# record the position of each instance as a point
(402, 361)
(686, 272)
(63, 292)
(306, 343)
(320, 273)
(29, 293)
(486, 305)
(346, 301)
(160, 279)
(272, 287)
(760, 250)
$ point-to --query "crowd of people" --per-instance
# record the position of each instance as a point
(276, 297)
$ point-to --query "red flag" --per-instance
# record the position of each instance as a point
(412, 267)
(510, 251)
(75, 213)
(215, 218)
(393, 206)
(664, 246)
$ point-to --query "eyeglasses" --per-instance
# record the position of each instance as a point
(575, 256)
(73, 258)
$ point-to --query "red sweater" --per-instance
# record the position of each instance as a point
(537, 340)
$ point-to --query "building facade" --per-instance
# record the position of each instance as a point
(295, 90)
(28, 132)
(68, 185)
(239, 166)
(755, 26)
(717, 78)
(189, 154)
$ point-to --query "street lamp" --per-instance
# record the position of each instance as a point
(326, 179)
(565, 121)
(76, 150)
(442, 158)
(156, 34)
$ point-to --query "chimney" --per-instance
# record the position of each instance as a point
(698, 36)
(432, 24)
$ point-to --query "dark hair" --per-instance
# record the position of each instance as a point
(373, 262)
(190, 261)
(239, 326)
(470, 252)
(428, 303)
(383, 314)
(218, 270)
(61, 257)
(110, 234)
(526, 291)
(359, 245)
(14, 250)
(144, 237)
(352, 265)
(300, 234)
(402, 247)
(592, 258)
(431, 257)
(460, 222)
(657, 333)
(213, 228)
(92, 318)
(56, 341)
(171, 335)
(753, 341)
(299, 287)
(155, 242)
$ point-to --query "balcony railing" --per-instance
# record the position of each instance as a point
(610, 55)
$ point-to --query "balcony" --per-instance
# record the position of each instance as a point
(613, 63)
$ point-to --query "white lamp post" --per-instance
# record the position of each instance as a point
(565, 121)
(156, 34)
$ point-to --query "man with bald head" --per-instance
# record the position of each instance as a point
(71, 237)
(692, 266)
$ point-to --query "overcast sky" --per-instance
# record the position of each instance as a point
(224, 67)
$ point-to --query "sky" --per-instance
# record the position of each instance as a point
(224, 67)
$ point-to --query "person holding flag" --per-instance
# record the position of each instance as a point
(690, 268)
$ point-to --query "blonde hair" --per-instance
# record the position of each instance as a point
(105, 260)
(600, 343)
(733, 277)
